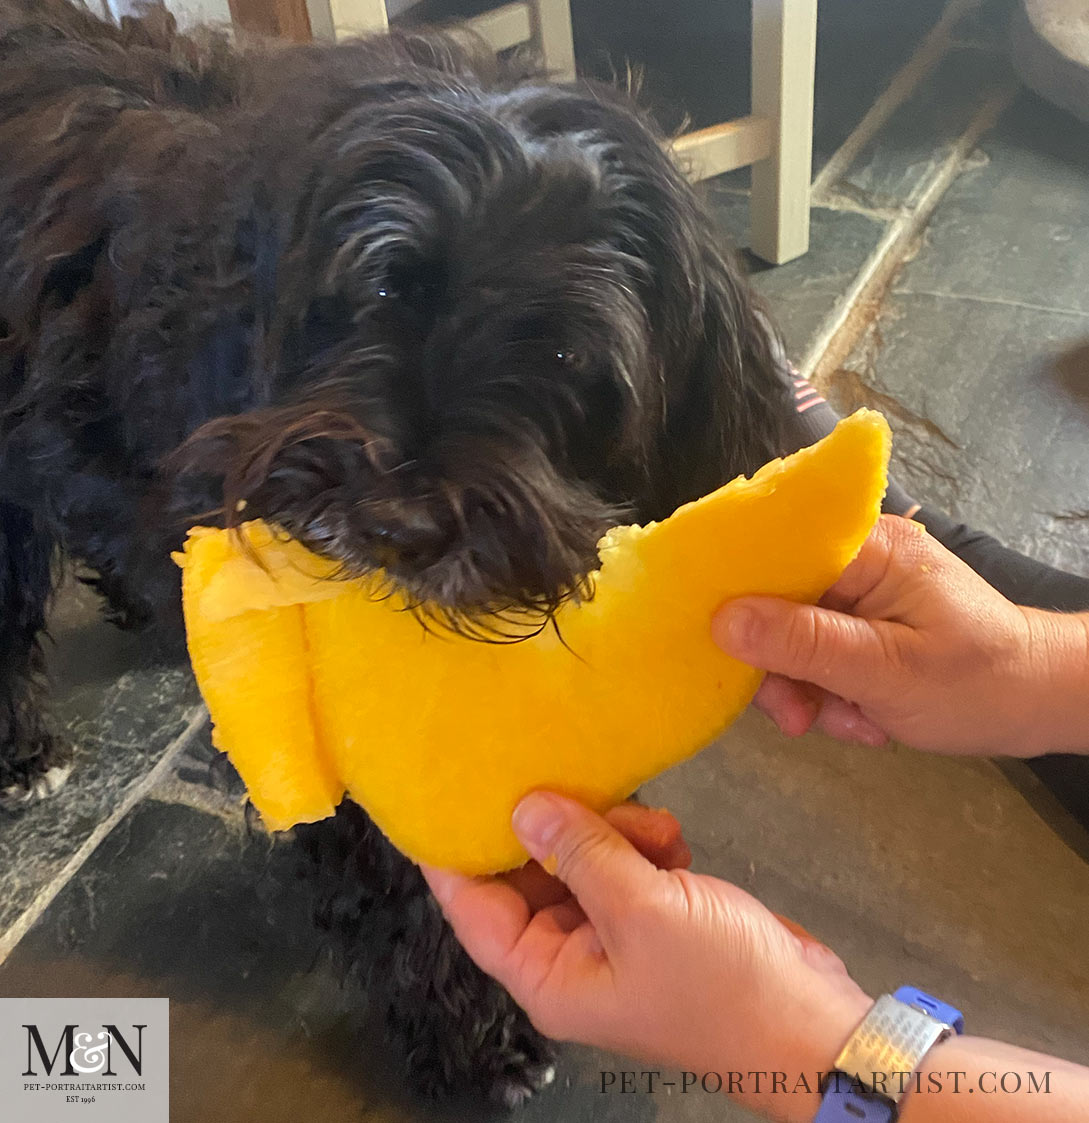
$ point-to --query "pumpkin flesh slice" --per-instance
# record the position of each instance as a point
(253, 669)
(438, 736)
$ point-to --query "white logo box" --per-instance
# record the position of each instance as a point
(85, 1060)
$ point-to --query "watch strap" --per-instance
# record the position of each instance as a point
(893, 1038)
(843, 1102)
(928, 1004)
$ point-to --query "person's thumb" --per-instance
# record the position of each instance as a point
(832, 650)
(596, 862)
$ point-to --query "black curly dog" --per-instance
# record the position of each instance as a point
(421, 315)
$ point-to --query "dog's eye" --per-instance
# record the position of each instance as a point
(419, 286)
(566, 358)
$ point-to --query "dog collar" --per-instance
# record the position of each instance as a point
(888, 1045)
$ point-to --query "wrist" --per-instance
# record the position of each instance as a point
(949, 1069)
(806, 1045)
(1052, 708)
(1014, 1083)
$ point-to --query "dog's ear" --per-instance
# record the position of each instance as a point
(723, 396)
(726, 399)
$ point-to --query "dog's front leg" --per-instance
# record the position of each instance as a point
(33, 764)
(459, 1030)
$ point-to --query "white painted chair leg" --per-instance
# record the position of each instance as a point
(553, 39)
(321, 19)
(784, 51)
(348, 17)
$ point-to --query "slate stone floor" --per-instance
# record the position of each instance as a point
(142, 876)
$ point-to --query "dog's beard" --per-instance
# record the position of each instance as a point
(489, 541)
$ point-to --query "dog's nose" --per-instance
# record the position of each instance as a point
(413, 539)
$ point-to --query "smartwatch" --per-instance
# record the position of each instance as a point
(888, 1045)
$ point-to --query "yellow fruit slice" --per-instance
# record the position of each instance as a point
(253, 669)
(258, 569)
(438, 736)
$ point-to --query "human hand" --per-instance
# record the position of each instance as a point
(911, 643)
(657, 963)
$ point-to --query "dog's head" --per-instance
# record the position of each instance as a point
(498, 325)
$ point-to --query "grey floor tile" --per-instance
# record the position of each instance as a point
(894, 168)
(122, 712)
(978, 355)
(186, 905)
(1036, 164)
(1015, 228)
(986, 424)
(805, 291)
(860, 48)
(986, 24)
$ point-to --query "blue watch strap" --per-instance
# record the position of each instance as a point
(942, 1011)
(844, 1103)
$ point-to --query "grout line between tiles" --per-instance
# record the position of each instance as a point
(904, 83)
(887, 249)
(1001, 301)
(834, 202)
(45, 896)
(846, 322)
(177, 792)
(983, 46)
(840, 205)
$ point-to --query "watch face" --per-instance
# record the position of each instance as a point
(888, 1045)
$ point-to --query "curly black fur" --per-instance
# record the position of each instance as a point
(457, 1028)
(425, 316)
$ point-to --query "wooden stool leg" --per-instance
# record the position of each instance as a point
(278, 19)
(784, 51)
(354, 17)
(552, 37)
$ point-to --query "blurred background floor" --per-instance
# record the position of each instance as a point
(947, 286)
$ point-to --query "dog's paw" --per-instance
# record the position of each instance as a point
(38, 786)
(521, 1081)
(507, 1072)
(516, 1070)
